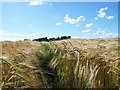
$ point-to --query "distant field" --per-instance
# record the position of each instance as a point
(72, 63)
(106, 47)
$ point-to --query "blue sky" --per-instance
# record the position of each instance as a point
(42, 19)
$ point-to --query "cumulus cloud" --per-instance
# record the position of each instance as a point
(109, 17)
(58, 24)
(96, 18)
(86, 31)
(89, 25)
(35, 2)
(69, 20)
(102, 13)
(101, 32)
(106, 34)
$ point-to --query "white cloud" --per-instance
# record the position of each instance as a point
(109, 17)
(101, 32)
(89, 25)
(35, 2)
(104, 34)
(58, 24)
(86, 31)
(77, 25)
(102, 13)
(69, 20)
(106, 8)
(30, 25)
(50, 4)
(96, 18)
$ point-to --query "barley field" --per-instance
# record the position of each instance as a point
(72, 63)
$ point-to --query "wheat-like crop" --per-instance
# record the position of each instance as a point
(61, 64)
(86, 70)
